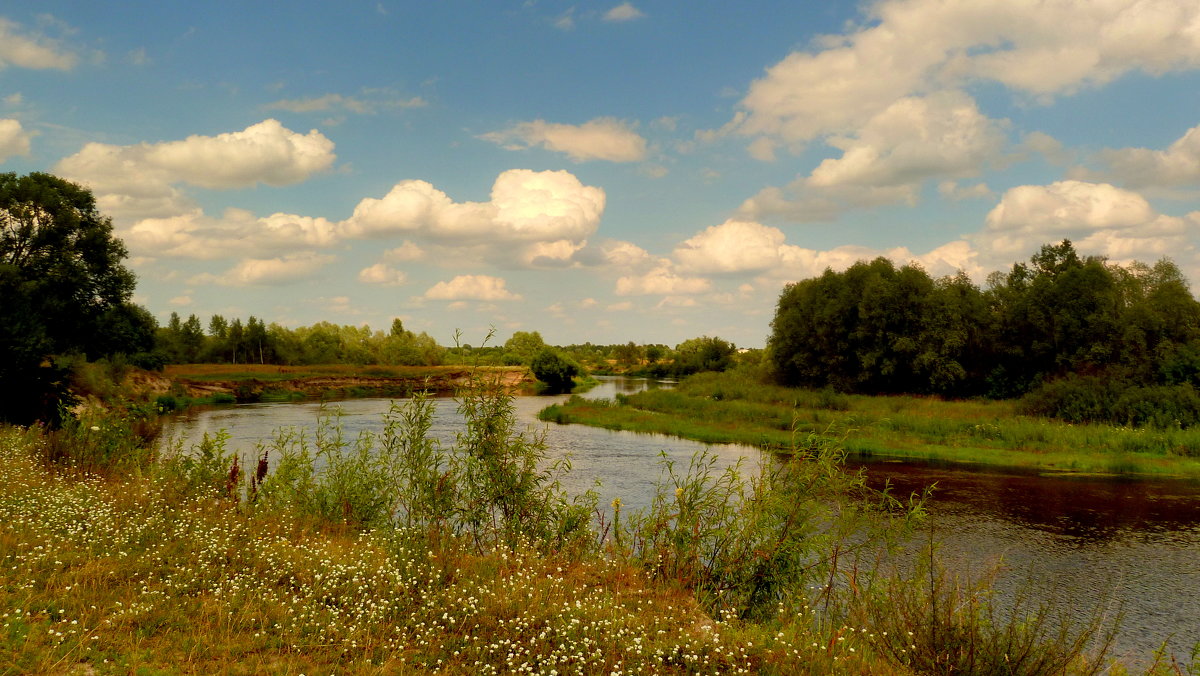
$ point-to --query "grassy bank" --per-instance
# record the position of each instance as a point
(737, 408)
(389, 554)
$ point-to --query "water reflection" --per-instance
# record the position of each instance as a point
(1088, 508)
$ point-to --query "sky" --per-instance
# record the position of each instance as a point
(601, 171)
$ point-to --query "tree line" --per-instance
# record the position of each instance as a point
(184, 341)
(876, 328)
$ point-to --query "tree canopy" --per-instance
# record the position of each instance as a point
(877, 328)
(65, 289)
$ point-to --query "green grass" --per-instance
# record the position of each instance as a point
(736, 408)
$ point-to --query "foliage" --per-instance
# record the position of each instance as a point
(1099, 399)
(703, 354)
(750, 547)
(934, 623)
(523, 347)
(879, 329)
(101, 442)
(555, 370)
(65, 289)
(492, 487)
(255, 342)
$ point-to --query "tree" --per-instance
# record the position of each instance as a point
(523, 347)
(61, 275)
(703, 354)
(552, 368)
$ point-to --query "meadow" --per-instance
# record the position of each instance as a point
(737, 407)
(389, 553)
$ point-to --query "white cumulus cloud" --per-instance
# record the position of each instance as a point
(1097, 216)
(914, 138)
(471, 287)
(732, 247)
(269, 271)
(383, 275)
(525, 206)
(1035, 47)
(603, 138)
(237, 233)
(663, 280)
(14, 140)
(140, 179)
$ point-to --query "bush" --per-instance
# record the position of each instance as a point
(933, 623)
(749, 546)
(1095, 399)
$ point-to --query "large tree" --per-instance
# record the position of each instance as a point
(64, 289)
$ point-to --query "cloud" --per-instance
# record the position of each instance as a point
(623, 12)
(471, 287)
(603, 138)
(405, 253)
(732, 247)
(383, 275)
(661, 281)
(237, 233)
(802, 202)
(525, 206)
(369, 103)
(1096, 216)
(140, 179)
(911, 47)
(914, 138)
(1178, 165)
(268, 271)
(14, 140)
(566, 20)
(32, 51)
(951, 190)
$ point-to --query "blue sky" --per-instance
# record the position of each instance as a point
(604, 172)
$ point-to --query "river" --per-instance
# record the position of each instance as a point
(1081, 542)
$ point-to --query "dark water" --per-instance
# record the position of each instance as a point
(1082, 542)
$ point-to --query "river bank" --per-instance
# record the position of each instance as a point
(227, 383)
(737, 408)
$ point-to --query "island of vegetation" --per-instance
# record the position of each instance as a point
(393, 554)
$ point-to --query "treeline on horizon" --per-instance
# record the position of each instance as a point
(230, 341)
(1079, 338)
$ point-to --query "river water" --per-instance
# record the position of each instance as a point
(1082, 542)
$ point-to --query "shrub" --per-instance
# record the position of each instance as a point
(930, 622)
(1084, 399)
(749, 546)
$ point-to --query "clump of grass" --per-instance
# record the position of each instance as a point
(936, 622)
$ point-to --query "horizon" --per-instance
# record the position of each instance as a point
(629, 171)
